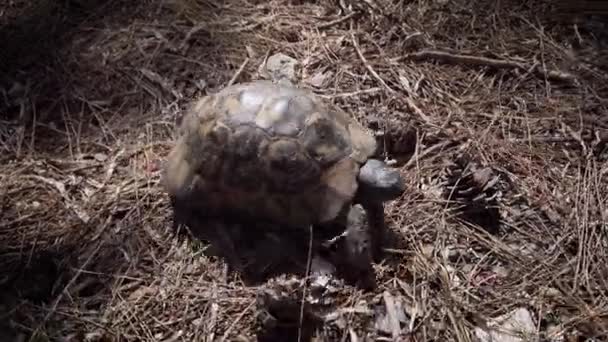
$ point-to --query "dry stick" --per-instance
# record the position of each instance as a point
(368, 66)
(371, 70)
(33, 137)
(53, 308)
(308, 267)
(336, 21)
(419, 155)
(191, 33)
(447, 57)
(237, 319)
(352, 93)
(238, 72)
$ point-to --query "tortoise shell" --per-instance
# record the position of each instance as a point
(267, 150)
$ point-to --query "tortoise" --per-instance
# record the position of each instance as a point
(271, 151)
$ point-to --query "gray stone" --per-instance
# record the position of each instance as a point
(281, 67)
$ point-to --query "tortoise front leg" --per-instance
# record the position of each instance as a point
(377, 227)
(357, 246)
(378, 184)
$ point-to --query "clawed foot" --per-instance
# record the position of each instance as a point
(352, 249)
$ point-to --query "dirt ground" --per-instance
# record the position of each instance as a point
(494, 111)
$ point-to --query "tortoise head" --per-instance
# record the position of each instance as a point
(378, 182)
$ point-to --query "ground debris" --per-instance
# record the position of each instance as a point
(516, 326)
(291, 307)
(474, 189)
(510, 99)
(393, 316)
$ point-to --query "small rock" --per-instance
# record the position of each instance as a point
(318, 80)
(282, 67)
(100, 157)
(516, 326)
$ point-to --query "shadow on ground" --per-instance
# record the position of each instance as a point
(59, 124)
(265, 253)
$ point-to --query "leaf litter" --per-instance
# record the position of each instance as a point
(495, 113)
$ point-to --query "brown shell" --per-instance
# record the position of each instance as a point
(262, 149)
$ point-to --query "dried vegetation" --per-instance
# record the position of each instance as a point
(499, 128)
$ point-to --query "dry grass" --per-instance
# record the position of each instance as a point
(487, 83)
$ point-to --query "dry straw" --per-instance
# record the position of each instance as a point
(490, 83)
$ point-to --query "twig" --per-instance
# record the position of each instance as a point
(69, 203)
(308, 266)
(336, 21)
(368, 66)
(213, 319)
(160, 81)
(351, 94)
(238, 72)
(81, 269)
(418, 156)
(409, 101)
(194, 30)
(236, 320)
(447, 57)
